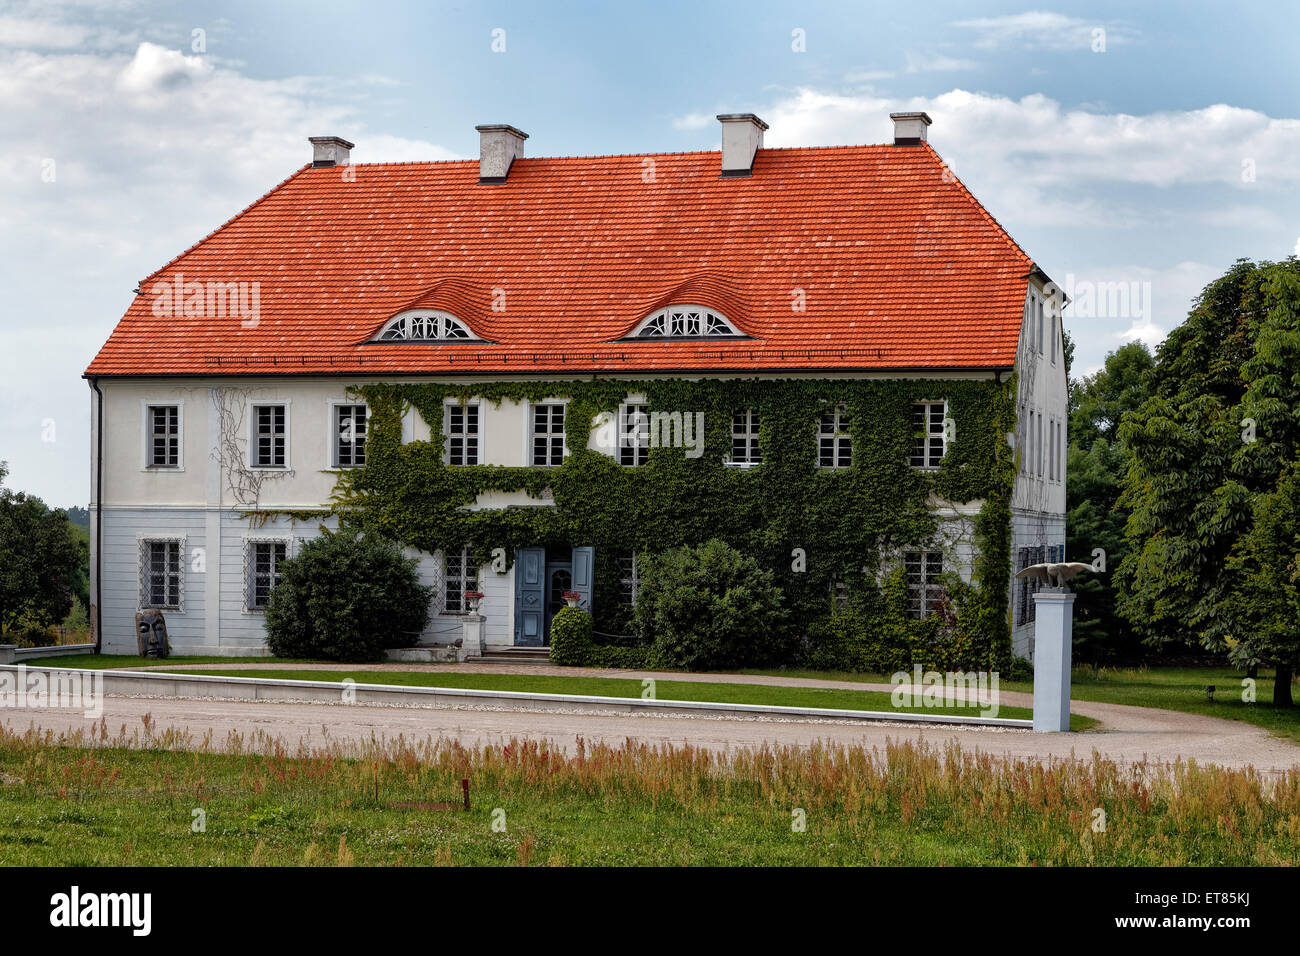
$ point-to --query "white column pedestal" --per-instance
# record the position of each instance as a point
(471, 634)
(1053, 647)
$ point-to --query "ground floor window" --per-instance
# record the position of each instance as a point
(262, 561)
(924, 588)
(162, 573)
(459, 575)
(629, 578)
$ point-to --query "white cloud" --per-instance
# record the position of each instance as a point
(1040, 29)
(868, 76)
(692, 121)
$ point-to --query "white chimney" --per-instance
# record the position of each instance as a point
(909, 128)
(498, 146)
(742, 137)
(329, 150)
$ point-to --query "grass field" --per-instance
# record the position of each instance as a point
(620, 687)
(100, 803)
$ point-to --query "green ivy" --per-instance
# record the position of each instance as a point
(843, 519)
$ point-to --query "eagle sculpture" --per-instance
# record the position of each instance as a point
(1054, 574)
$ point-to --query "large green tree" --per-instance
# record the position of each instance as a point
(1211, 476)
(1095, 465)
(41, 560)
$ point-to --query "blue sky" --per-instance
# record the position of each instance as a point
(1145, 145)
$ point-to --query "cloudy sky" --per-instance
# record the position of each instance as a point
(1147, 145)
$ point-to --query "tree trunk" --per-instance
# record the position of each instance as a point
(1282, 686)
(1253, 671)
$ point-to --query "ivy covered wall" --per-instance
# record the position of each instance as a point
(845, 520)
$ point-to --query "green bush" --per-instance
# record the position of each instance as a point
(345, 597)
(571, 637)
(711, 607)
(615, 655)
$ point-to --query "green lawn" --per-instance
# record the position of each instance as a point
(908, 804)
(626, 687)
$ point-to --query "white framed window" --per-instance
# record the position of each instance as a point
(458, 576)
(350, 422)
(268, 444)
(629, 577)
(1038, 446)
(633, 434)
(424, 325)
(262, 560)
(461, 425)
(1025, 607)
(834, 444)
(684, 321)
(1051, 449)
(547, 434)
(162, 436)
(744, 440)
(1053, 330)
(930, 442)
(162, 573)
(924, 587)
(1039, 306)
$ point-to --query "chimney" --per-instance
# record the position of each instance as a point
(498, 146)
(909, 128)
(742, 137)
(329, 150)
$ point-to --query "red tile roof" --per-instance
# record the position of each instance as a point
(899, 265)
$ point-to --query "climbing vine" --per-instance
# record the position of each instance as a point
(848, 521)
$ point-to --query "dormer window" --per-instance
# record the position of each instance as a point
(425, 326)
(684, 321)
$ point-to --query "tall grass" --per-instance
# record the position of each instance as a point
(96, 799)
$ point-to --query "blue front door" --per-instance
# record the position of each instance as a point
(530, 597)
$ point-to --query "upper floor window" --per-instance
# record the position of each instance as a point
(834, 444)
(270, 445)
(425, 327)
(1053, 338)
(548, 434)
(744, 440)
(1039, 306)
(163, 448)
(350, 423)
(633, 434)
(684, 321)
(462, 431)
(929, 435)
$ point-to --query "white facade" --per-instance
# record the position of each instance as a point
(211, 510)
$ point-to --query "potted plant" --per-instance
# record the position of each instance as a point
(572, 598)
(472, 599)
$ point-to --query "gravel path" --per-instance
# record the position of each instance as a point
(1131, 734)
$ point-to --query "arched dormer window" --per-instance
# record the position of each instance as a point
(425, 326)
(684, 321)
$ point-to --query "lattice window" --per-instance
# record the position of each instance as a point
(162, 573)
(685, 322)
(262, 570)
(426, 327)
(350, 426)
(834, 444)
(164, 436)
(924, 588)
(548, 434)
(459, 575)
(930, 442)
(1027, 557)
(744, 440)
(462, 431)
(629, 577)
(633, 435)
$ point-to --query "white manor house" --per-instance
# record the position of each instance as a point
(221, 402)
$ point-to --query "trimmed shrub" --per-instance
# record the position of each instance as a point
(571, 637)
(345, 597)
(710, 607)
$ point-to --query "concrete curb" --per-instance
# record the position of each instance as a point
(178, 684)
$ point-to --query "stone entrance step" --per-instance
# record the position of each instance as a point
(513, 655)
